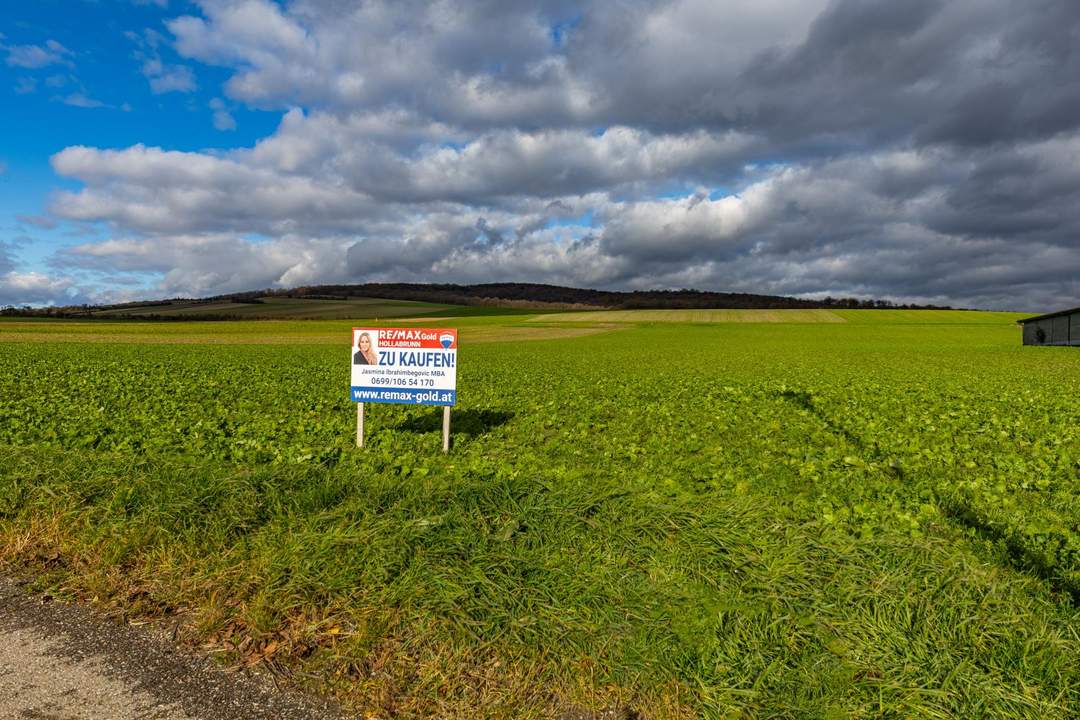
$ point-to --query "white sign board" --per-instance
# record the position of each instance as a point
(413, 366)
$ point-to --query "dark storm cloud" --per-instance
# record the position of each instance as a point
(1017, 193)
(920, 150)
(969, 72)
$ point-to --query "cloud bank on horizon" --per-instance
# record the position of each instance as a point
(922, 151)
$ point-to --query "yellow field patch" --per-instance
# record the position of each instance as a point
(431, 321)
(513, 333)
(696, 316)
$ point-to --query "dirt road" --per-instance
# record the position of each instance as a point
(63, 662)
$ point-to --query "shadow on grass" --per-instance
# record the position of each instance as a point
(1044, 554)
(464, 422)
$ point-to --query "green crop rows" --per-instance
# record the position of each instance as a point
(877, 518)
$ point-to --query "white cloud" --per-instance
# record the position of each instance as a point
(366, 54)
(33, 288)
(148, 38)
(204, 264)
(547, 163)
(38, 221)
(152, 190)
(890, 224)
(328, 162)
(38, 56)
(223, 119)
(163, 77)
(81, 100)
(168, 78)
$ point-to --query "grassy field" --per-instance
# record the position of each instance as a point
(813, 316)
(638, 317)
(673, 517)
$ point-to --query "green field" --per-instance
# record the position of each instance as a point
(677, 515)
(638, 317)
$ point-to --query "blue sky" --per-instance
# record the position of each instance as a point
(919, 152)
(92, 90)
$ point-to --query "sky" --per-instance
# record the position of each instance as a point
(921, 151)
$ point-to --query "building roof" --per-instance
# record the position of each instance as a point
(1047, 316)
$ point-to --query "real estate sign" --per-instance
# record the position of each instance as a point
(414, 366)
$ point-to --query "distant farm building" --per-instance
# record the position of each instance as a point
(1057, 328)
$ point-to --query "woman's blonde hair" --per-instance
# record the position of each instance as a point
(370, 355)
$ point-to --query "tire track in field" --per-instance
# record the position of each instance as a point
(951, 506)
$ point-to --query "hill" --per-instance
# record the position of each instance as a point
(327, 302)
(539, 296)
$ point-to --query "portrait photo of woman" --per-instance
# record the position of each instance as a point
(365, 354)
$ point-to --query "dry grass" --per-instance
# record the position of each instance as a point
(372, 659)
(520, 332)
(433, 321)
